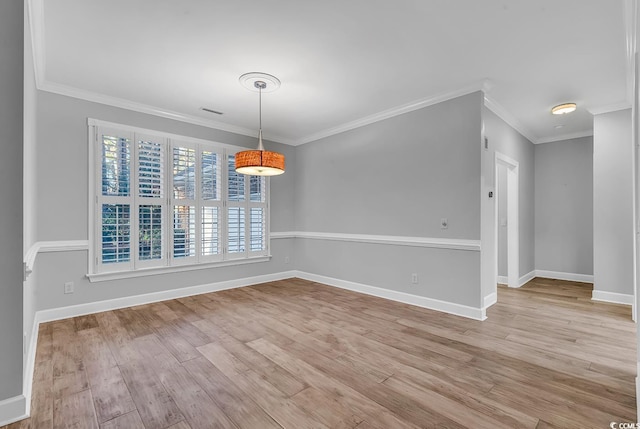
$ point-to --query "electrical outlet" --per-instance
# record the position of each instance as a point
(286, 259)
(444, 223)
(414, 278)
(68, 287)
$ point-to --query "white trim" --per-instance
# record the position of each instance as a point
(394, 111)
(490, 299)
(432, 242)
(526, 278)
(506, 160)
(283, 235)
(168, 262)
(12, 410)
(616, 298)
(521, 281)
(568, 136)
(585, 278)
(610, 108)
(419, 301)
(152, 271)
(44, 316)
(27, 383)
(36, 16)
(129, 301)
(511, 120)
(51, 246)
(176, 138)
(50, 315)
(36, 26)
(513, 210)
(515, 123)
(630, 27)
(122, 103)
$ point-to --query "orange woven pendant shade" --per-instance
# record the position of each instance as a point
(259, 163)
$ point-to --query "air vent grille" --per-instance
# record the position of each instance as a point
(211, 111)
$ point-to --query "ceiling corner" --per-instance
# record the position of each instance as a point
(503, 114)
(482, 85)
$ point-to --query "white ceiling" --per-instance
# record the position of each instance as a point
(341, 62)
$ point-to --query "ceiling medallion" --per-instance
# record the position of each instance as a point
(259, 162)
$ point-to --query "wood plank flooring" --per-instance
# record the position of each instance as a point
(296, 354)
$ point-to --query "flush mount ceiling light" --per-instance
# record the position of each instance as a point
(563, 109)
(259, 162)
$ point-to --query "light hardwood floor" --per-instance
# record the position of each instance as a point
(295, 354)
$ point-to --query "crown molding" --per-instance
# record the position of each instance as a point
(631, 34)
(151, 110)
(37, 28)
(35, 12)
(567, 136)
(483, 85)
(609, 108)
(503, 114)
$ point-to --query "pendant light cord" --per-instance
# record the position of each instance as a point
(260, 105)
(260, 85)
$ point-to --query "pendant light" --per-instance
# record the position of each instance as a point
(259, 162)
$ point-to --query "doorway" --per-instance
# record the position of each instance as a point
(507, 230)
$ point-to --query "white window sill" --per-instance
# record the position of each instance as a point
(153, 271)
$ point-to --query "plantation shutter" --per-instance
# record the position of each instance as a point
(161, 202)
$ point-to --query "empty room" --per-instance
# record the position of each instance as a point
(304, 214)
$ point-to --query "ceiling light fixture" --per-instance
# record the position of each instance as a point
(563, 109)
(260, 162)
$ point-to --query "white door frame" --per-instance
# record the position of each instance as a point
(513, 226)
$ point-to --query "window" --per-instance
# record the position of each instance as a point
(163, 200)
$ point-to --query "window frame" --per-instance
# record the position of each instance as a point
(135, 267)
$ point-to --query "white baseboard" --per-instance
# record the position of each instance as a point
(616, 298)
(526, 278)
(585, 278)
(490, 299)
(49, 315)
(30, 364)
(420, 301)
(129, 301)
(12, 410)
(503, 280)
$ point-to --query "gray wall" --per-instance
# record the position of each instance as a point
(564, 206)
(506, 140)
(63, 191)
(399, 177)
(11, 141)
(613, 231)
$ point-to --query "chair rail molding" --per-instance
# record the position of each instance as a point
(432, 242)
(50, 246)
